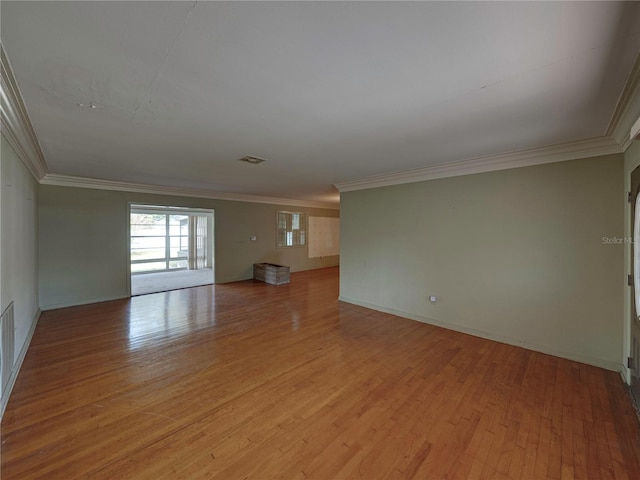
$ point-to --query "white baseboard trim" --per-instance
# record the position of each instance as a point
(55, 306)
(625, 373)
(596, 362)
(18, 364)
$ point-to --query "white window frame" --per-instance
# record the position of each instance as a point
(167, 211)
(287, 236)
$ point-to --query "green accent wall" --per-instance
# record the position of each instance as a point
(522, 256)
(19, 259)
(83, 241)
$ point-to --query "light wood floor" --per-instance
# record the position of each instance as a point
(250, 380)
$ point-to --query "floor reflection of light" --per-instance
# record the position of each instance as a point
(295, 319)
(164, 315)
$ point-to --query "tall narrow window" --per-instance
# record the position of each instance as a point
(292, 227)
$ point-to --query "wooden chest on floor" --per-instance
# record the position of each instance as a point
(271, 273)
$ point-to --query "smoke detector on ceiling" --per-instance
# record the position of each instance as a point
(252, 160)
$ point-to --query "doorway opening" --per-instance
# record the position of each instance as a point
(170, 248)
(635, 301)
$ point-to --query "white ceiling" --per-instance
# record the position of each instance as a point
(327, 92)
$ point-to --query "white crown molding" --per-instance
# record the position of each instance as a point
(522, 158)
(615, 140)
(16, 125)
(97, 184)
(19, 131)
(627, 109)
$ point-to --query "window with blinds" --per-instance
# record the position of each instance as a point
(165, 238)
(292, 229)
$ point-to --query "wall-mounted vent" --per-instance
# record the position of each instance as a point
(252, 160)
(7, 345)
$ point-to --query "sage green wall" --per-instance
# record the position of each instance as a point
(83, 241)
(19, 259)
(514, 255)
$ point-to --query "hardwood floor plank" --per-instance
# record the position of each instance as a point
(249, 380)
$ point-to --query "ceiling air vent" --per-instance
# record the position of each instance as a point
(252, 160)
